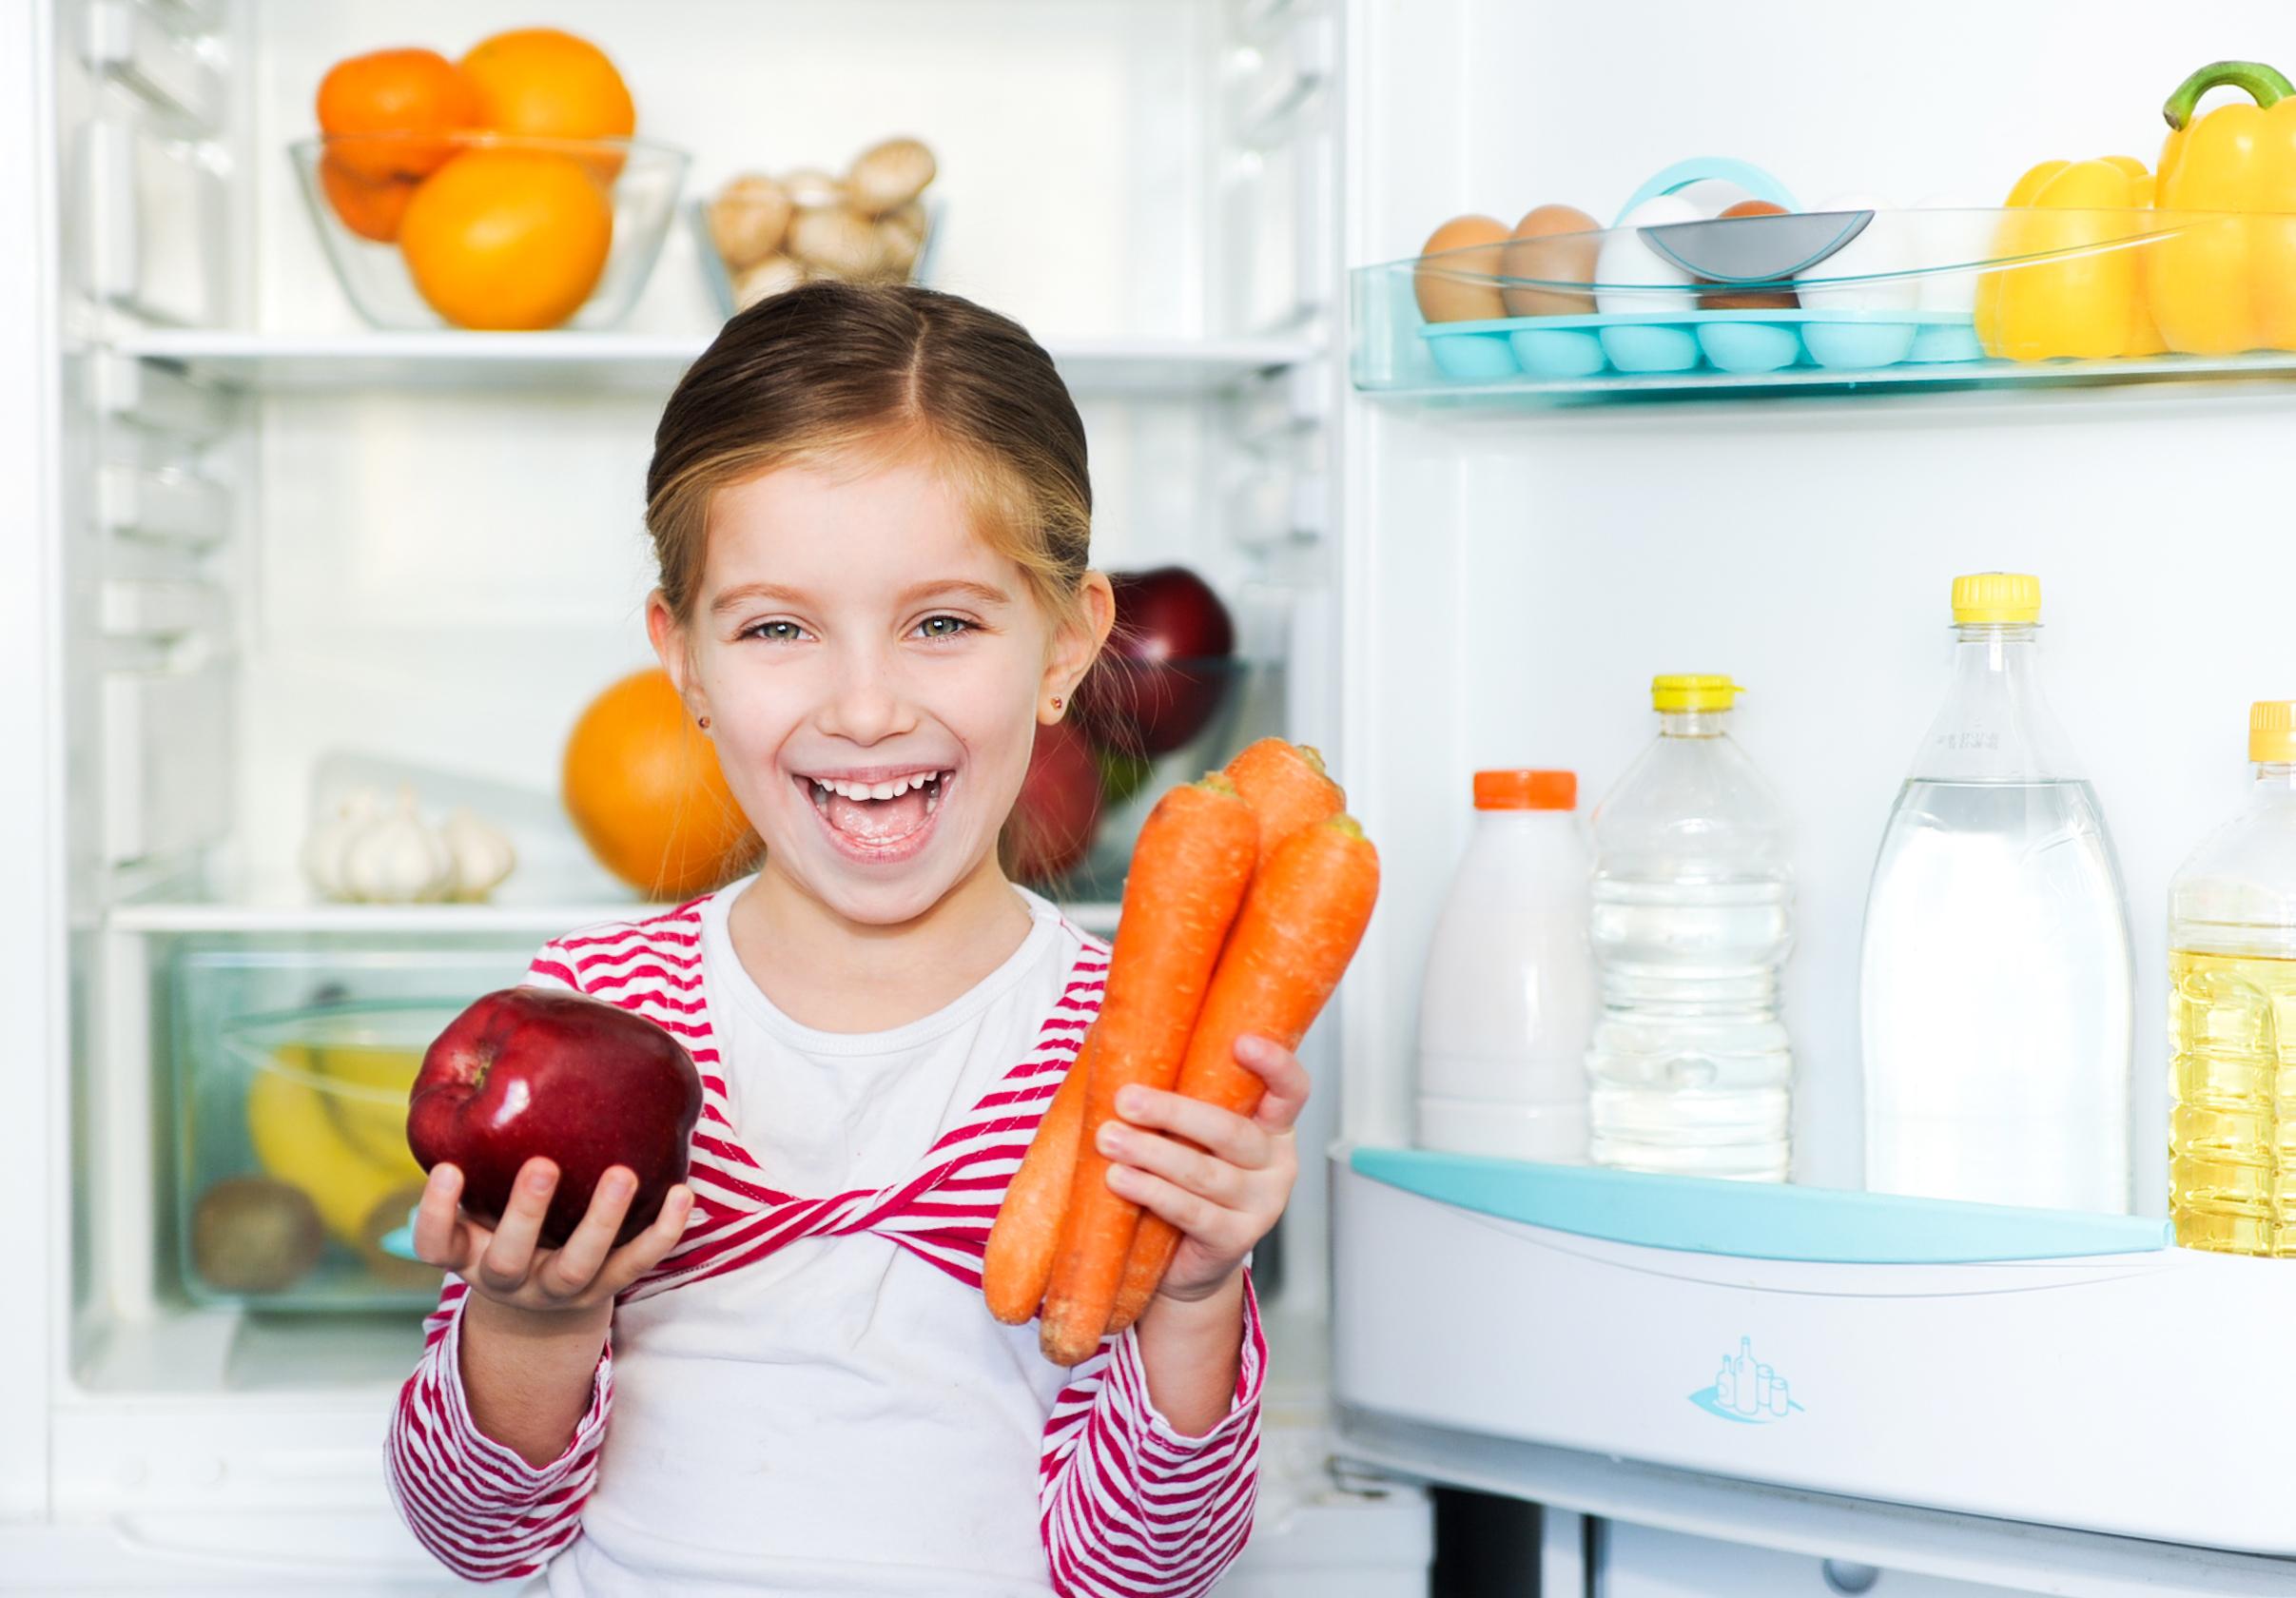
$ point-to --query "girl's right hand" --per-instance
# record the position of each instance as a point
(507, 1263)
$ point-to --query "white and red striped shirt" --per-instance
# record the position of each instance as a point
(815, 1401)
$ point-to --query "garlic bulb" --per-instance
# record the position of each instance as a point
(396, 859)
(322, 850)
(482, 855)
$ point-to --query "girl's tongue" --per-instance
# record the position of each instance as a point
(881, 821)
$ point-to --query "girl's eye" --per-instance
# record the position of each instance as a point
(943, 627)
(776, 632)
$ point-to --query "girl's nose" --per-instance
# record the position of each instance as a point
(867, 706)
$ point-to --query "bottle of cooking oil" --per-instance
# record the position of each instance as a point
(2232, 1014)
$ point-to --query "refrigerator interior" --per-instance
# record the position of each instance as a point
(292, 550)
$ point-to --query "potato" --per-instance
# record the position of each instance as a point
(748, 219)
(839, 242)
(768, 277)
(889, 175)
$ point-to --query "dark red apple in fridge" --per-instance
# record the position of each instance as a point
(1165, 669)
(1058, 809)
(531, 1071)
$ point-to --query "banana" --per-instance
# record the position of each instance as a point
(370, 1087)
(299, 1142)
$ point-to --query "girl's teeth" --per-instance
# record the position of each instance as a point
(824, 787)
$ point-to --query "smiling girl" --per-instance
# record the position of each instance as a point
(871, 515)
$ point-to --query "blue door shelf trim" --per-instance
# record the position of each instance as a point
(1754, 1220)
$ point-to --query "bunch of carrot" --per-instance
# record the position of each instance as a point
(1248, 894)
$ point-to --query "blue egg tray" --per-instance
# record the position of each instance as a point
(1633, 343)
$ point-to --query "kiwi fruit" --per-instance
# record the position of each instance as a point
(253, 1235)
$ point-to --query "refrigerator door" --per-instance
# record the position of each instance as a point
(1517, 570)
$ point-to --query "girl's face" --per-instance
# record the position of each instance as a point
(874, 675)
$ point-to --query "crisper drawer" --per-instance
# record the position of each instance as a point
(291, 1062)
(2060, 1369)
(1640, 1562)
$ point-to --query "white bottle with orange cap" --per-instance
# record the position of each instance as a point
(2232, 1013)
(1508, 1000)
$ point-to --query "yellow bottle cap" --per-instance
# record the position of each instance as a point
(2010, 598)
(2272, 731)
(1694, 692)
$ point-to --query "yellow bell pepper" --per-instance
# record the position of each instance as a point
(2224, 283)
(2073, 286)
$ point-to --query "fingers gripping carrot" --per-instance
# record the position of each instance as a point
(1298, 929)
(1021, 1243)
(1286, 787)
(1189, 871)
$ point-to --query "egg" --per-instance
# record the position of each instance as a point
(1951, 232)
(1651, 282)
(1462, 286)
(1736, 298)
(1552, 244)
(1884, 247)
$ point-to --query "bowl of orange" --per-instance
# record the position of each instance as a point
(507, 191)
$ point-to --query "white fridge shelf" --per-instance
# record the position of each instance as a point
(646, 363)
(262, 906)
(2065, 1369)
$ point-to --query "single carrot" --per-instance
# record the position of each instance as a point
(1018, 1260)
(1189, 871)
(1287, 788)
(1298, 929)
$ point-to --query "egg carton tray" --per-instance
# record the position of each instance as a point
(1724, 341)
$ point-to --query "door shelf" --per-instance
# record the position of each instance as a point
(642, 362)
(1816, 1341)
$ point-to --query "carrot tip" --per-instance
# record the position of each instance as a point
(1345, 823)
(1216, 782)
(1314, 756)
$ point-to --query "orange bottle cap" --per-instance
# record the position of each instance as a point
(1526, 790)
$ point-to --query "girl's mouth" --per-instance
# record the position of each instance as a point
(879, 821)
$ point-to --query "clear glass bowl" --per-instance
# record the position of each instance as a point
(370, 174)
(726, 292)
(295, 1166)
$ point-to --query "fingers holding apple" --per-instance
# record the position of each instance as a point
(509, 1263)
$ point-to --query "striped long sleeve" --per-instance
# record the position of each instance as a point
(1128, 1507)
(483, 1512)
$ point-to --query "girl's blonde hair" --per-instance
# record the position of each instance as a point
(868, 375)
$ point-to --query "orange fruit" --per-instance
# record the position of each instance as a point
(544, 83)
(507, 237)
(644, 791)
(369, 209)
(416, 94)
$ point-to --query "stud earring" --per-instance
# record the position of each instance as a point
(1057, 703)
(702, 722)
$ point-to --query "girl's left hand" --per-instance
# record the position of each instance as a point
(1220, 1178)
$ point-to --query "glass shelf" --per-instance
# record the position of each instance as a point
(640, 363)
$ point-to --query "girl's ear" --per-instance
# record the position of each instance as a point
(670, 648)
(1076, 645)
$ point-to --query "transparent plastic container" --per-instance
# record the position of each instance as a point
(2232, 1014)
(643, 180)
(1995, 992)
(1508, 1001)
(1674, 295)
(292, 1063)
(1690, 1071)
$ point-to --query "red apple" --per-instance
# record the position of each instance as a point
(1165, 669)
(1058, 809)
(531, 1071)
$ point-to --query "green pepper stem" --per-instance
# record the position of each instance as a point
(2264, 83)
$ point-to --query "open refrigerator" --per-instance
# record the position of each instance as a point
(272, 548)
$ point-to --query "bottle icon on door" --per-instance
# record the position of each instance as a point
(1747, 1391)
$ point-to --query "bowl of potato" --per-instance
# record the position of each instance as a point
(763, 232)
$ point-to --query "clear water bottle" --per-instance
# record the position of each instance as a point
(1994, 996)
(1690, 1071)
(2232, 1013)
(1508, 1000)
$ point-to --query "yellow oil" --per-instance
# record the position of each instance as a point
(2232, 1133)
